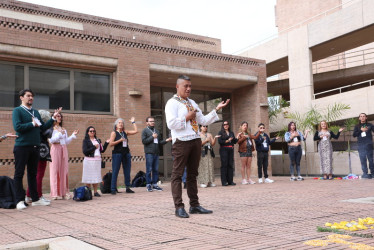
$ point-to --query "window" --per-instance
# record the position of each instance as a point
(73, 90)
(51, 87)
(91, 92)
(11, 82)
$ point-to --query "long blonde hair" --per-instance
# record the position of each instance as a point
(248, 131)
(320, 127)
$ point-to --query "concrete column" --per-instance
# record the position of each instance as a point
(300, 74)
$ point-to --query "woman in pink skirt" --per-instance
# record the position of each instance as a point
(92, 149)
(59, 167)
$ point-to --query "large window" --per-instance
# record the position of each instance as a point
(73, 90)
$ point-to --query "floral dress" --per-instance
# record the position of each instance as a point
(325, 150)
(206, 167)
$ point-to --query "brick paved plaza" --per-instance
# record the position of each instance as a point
(282, 215)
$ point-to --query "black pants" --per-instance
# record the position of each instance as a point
(262, 163)
(26, 155)
(227, 165)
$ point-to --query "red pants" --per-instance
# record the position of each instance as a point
(39, 178)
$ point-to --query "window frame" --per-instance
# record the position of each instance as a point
(26, 84)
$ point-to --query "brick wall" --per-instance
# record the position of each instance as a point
(131, 72)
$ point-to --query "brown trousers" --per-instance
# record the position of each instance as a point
(186, 154)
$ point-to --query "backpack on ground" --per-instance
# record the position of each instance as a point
(82, 194)
(106, 183)
(139, 180)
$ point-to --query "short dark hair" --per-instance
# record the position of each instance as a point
(146, 119)
(261, 124)
(23, 92)
(184, 77)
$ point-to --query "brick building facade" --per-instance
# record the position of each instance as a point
(101, 69)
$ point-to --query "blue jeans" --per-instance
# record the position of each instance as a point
(117, 159)
(151, 163)
(295, 154)
(365, 153)
(184, 176)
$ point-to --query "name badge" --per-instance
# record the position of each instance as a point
(155, 140)
(209, 147)
(36, 120)
(363, 134)
(124, 143)
(295, 139)
(265, 144)
(324, 138)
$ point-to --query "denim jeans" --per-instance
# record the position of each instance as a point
(117, 159)
(365, 153)
(295, 154)
(184, 176)
(151, 163)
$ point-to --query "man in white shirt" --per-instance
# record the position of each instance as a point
(182, 117)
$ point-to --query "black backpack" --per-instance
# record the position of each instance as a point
(82, 194)
(139, 180)
(106, 183)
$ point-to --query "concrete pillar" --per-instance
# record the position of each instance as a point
(300, 74)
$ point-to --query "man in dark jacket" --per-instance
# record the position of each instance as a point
(262, 148)
(151, 139)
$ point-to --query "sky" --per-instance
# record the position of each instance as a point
(238, 23)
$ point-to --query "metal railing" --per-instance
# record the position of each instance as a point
(344, 60)
(326, 93)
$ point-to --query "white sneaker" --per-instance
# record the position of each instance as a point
(244, 182)
(260, 180)
(21, 205)
(212, 185)
(28, 199)
(251, 182)
(267, 180)
(203, 185)
(40, 203)
(44, 199)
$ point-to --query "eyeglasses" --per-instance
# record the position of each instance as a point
(151, 121)
(92, 131)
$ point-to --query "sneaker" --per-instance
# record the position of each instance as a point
(44, 199)
(211, 185)
(366, 176)
(28, 200)
(251, 182)
(293, 179)
(40, 203)
(21, 205)
(299, 178)
(129, 191)
(260, 180)
(149, 188)
(267, 180)
(157, 188)
(203, 185)
(96, 194)
(244, 182)
(113, 192)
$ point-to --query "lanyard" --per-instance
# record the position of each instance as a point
(122, 134)
(154, 130)
(28, 111)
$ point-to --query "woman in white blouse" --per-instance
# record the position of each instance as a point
(59, 166)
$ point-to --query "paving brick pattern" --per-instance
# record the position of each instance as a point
(281, 215)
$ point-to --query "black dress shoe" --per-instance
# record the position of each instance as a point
(113, 192)
(181, 213)
(129, 191)
(232, 184)
(199, 210)
(225, 184)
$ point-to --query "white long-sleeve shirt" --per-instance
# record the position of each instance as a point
(58, 137)
(176, 112)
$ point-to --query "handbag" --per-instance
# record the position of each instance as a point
(102, 164)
